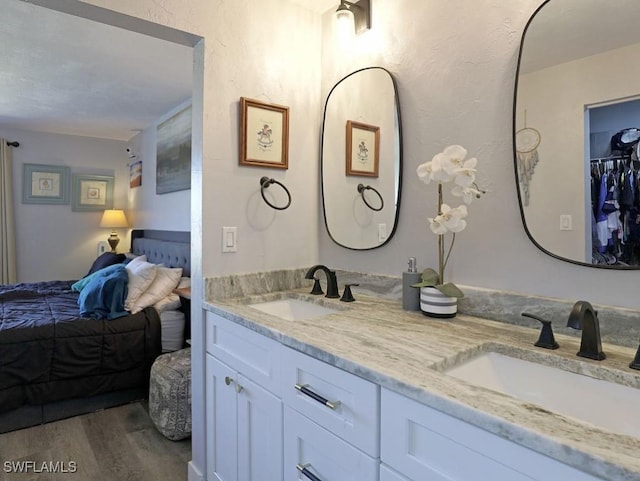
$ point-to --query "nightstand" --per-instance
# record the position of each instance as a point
(185, 307)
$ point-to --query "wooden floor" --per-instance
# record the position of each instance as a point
(117, 444)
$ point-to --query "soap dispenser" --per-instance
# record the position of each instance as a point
(411, 295)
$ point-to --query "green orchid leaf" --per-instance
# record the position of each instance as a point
(450, 289)
(430, 276)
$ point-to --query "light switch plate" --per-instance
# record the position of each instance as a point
(229, 239)
(566, 222)
(103, 246)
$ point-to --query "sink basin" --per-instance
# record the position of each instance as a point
(605, 404)
(293, 309)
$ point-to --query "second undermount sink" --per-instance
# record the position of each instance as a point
(293, 309)
(608, 405)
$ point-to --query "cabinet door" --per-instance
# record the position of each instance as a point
(259, 433)
(221, 419)
(321, 454)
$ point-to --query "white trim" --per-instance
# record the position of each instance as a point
(193, 473)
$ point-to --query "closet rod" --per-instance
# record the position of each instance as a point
(13, 144)
(613, 157)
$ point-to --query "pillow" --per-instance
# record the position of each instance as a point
(79, 285)
(141, 274)
(166, 280)
(105, 260)
(169, 303)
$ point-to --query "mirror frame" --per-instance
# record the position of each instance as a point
(400, 159)
(515, 164)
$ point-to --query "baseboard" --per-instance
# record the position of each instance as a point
(193, 473)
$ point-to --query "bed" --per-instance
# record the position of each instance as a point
(60, 358)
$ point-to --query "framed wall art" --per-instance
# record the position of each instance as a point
(135, 174)
(92, 192)
(363, 149)
(45, 184)
(264, 139)
(173, 163)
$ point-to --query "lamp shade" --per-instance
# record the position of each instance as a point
(113, 218)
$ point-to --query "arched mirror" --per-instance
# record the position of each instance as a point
(576, 121)
(362, 159)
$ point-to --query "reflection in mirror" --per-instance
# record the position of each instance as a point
(576, 115)
(361, 146)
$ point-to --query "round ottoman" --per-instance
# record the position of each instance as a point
(170, 394)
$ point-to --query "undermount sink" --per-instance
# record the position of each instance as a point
(293, 309)
(604, 404)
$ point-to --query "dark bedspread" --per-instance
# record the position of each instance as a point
(49, 353)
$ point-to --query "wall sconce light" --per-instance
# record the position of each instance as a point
(360, 11)
(113, 219)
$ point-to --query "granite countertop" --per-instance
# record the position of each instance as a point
(404, 351)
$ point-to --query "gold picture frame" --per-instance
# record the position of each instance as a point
(363, 149)
(264, 139)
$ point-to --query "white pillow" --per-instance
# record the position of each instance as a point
(165, 281)
(141, 274)
(168, 303)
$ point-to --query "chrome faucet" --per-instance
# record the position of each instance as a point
(584, 317)
(332, 281)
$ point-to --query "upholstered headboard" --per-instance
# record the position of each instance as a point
(170, 248)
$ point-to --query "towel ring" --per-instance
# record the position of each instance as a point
(362, 188)
(265, 182)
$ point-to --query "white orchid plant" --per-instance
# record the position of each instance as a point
(449, 167)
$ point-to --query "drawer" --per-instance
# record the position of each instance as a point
(249, 353)
(422, 443)
(355, 414)
(322, 454)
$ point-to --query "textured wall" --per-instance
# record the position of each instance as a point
(52, 241)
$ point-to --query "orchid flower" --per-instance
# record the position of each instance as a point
(467, 193)
(450, 165)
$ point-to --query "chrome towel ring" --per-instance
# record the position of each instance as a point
(362, 188)
(265, 182)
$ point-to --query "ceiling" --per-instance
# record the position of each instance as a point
(64, 74)
(68, 75)
(565, 30)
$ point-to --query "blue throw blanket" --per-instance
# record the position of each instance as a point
(103, 297)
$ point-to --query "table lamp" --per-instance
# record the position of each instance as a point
(113, 219)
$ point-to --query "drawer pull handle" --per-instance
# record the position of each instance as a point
(304, 389)
(228, 381)
(303, 469)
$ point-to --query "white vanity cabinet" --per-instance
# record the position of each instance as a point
(331, 421)
(421, 443)
(243, 406)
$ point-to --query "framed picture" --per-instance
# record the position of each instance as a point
(45, 184)
(264, 139)
(363, 149)
(92, 192)
(173, 163)
(135, 174)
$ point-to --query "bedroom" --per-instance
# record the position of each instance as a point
(90, 122)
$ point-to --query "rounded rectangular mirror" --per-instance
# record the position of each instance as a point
(362, 159)
(576, 119)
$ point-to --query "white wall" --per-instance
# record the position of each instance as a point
(148, 210)
(52, 241)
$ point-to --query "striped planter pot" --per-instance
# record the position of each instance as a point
(434, 303)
